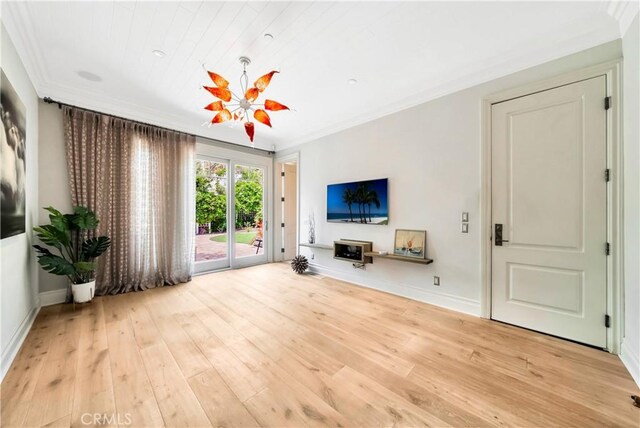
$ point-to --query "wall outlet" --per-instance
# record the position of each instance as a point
(465, 228)
(465, 216)
(436, 280)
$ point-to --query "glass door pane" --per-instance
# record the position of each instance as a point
(212, 237)
(249, 237)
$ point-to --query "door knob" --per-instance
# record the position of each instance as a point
(498, 235)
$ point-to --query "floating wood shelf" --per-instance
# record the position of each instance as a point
(320, 246)
(400, 258)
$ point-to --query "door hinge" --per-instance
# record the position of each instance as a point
(281, 224)
(282, 174)
(608, 249)
(607, 175)
(607, 103)
(282, 250)
(607, 321)
(282, 199)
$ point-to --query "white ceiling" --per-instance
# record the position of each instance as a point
(401, 53)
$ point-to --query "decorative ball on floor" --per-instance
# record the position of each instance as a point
(299, 264)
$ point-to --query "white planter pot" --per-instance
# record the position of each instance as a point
(83, 292)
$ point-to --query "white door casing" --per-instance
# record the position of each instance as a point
(290, 220)
(549, 154)
(282, 234)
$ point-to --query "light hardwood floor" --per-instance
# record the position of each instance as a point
(265, 347)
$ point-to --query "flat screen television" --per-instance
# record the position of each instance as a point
(363, 202)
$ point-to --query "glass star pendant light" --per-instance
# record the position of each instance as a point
(232, 107)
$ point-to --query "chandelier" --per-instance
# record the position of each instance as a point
(239, 109)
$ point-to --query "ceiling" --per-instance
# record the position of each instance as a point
(401, 53)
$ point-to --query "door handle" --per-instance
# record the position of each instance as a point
(498, 235)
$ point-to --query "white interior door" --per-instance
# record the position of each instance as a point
(549, 195)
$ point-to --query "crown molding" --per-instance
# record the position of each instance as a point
(624, 12)
(517, 60)
(17, 24)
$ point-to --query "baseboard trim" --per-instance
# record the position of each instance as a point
(448, 301)
(631, 361)
(16, 342)
(53, 297)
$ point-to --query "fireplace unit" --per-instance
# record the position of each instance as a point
(352, 251)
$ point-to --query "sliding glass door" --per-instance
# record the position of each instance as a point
(230, 229)
(249, 243)
(212, 248)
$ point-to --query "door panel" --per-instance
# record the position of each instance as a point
(249, 237)
(545, 158)
(549, 195)
(546, 287)
(212, 214)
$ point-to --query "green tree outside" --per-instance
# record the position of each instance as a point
(211, 196)
(211, 199)
(249, 193)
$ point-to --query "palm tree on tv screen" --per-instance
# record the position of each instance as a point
(348, 197)
(361, 193)
(371, 197)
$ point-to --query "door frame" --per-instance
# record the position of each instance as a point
(611, 70)
(277, 229)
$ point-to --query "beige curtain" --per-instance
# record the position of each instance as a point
(140, 182)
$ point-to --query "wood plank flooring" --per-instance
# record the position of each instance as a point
(265, 347)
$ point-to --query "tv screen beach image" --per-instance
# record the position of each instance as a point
(358, 202)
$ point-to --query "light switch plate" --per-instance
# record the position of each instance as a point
(436, 280)
(465, 217)
(465, 228)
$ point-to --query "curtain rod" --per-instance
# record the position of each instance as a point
(48, 100)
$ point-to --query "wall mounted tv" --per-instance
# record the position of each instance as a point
(363, 202)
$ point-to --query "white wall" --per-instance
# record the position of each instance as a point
(631, 136)
(431, 155)
(18, 268)
(53, 186)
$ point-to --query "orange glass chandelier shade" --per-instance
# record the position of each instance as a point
(238, 109)
(223, 93)
(262, 117)
(220, 81)
(250, 130)
(252, 94)
(223, 116)
(262, 83)
(215, 106)
(274, 106)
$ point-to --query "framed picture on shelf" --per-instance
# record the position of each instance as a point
(410, 243)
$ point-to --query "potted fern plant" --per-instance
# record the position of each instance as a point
(68, 234)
